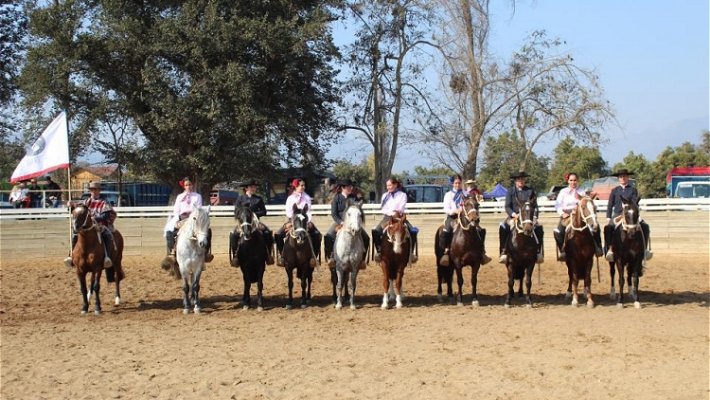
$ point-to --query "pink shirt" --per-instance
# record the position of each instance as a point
(392, 202)
(186, 202)
(301, 200)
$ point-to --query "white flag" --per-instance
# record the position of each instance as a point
(48, 153)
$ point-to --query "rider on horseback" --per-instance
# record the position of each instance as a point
(300, 198)
(104, 215)
(453, 206)
(613, 210)
(337, 212)
(256, 204)
(519, 193)
(395, 200)
(185, 203)
(566, 202)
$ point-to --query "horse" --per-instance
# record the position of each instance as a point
(521, 248)
(579, 248)
(297, 254)
(349, 251)
(394, 257)
(629, 250)
(251, 254)
(88, 257)
(466, 249)
(190, 256)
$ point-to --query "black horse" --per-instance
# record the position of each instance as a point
(629, 250)
(297, 254)
(249, 253)
(521, 248)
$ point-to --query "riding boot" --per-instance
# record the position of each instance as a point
(208, 251)
(269, 242)
(366, 243)
(170, 238)
(234, 248)
(648, 254)
(329, 243)
(484, 258)
(377, 241)
(559, 239)
(316, 239)
(445, 238)
(68, 262)
(503, 239)
(107, 237)
(413, 248)
(279, 238)
(598, 243)
(608, 233)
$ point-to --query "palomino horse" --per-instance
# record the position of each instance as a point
(579, 248)
(466, 249)
(629, 249)
(88, 256)
(394, 257)
(190, 256)
(349, 251)
(297, 254)
(250, 254)
(522, 251)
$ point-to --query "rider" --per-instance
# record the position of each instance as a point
(337, 212)
(299, 197)
(519, 193)
(613, 210)
(104, 215)
(453, 206)
(395, 199)
(185, 203)
(566, 202)
(256, 204)
(473, 190)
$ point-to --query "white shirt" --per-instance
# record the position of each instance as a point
(567, 200)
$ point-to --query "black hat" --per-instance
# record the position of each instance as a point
(249, 183)
(344, 182)
(519, 174)
(622, 171)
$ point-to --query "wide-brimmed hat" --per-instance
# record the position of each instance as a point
(470, 182)
(519, 174)
(94, 185)
(251, 182)
(344, 182)
(622, 171)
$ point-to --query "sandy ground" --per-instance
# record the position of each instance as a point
(146, 347)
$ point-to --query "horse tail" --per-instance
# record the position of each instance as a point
(170, 265)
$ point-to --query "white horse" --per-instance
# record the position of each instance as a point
(349, 251)
(190, 253)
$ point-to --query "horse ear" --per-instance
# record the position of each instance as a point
(295, 209)
(209, 208)
(305, 209)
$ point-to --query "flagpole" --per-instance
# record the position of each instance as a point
(71, 248)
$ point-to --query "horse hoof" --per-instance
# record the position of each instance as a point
(98, 312)
(440, 298)
(260, 308)
(117, 301)
(637, 304)
(475, 303)
(338, 306)
(528, 305)
(198, 311)
(185, 311)
(399, 305)
(353, 307)
(384, 306)
(83, 312)
(612, 295)
(574, 303)
(619, 305)
(288, 306)
(568, 295)
(506, 305)
(590, 304)
(460, 304)
(304, 306)
(245, 307)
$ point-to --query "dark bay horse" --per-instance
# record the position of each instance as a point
(251, 254)
(629, 250)
(579, 249)
(466, 250)
(394, 257)
(521, 248)
(88, 257)
(297, 254)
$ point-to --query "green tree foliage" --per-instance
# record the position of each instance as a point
(647, 182)
(361, 174)
(13, 24)
(503, 155)
(586, 161)
(219, 89)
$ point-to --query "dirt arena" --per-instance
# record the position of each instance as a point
(146, 347)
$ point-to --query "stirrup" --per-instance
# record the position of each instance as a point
(107, 263)
(444, 260)
(331, 263)
(413, 258)
(610, 256)
(562, 256)
(648, 255)
(377, 257)
(503, 259)
(68, 262)
(540, 258)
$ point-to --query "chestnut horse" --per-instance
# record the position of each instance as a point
(466, 250)
(579, 249)
(88, 257)
(394, 257)
(297, 254)
(250, 254)
(521, 248)
(629, 250)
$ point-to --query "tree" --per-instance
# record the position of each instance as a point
(502, 157)
(13, 25)
(361, 174)
(648, 183)
(585, 161)
(385, 75)
(219, 90)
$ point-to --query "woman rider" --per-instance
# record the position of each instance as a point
(394, 200)
(300, 198)
(185, 203)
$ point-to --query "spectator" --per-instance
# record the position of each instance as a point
(35, 194)
(19, 196)
(53, 192)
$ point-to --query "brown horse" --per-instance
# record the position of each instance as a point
(522, 251)
(88, 257)
(629, 250)
(297, 254)
(394, 257)
(466, 249)
(579, 249)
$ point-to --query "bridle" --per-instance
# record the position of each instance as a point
(625, 211)
(298, 233)
(585, 218)
(87, 224)
(524, 214)
(470, 221)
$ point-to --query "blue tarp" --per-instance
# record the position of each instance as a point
(498, 191)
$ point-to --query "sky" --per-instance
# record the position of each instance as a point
(652, 58)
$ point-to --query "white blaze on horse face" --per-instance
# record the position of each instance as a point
(352, 220)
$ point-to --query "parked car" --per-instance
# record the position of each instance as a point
(554, 190)
(426, 193)
(278, 198)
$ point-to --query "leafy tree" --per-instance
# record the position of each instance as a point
(647, 181)
(502, 157)
(361, 174)
(13, 25)
(219, 89)
(585, 161)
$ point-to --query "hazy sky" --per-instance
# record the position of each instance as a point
(651, 56)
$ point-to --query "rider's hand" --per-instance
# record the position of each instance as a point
(513, 215)
(608, 220)
(565, 215)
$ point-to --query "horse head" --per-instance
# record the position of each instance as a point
(354, 217)
(395, 231)
(82, 218)
(246, 222)
(199, 222)
(299, 224)
(630, 213)
(469, 214)
(524, 223)
(586, 214)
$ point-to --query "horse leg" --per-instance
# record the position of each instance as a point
(117, 296)
(260, 289)
(196, 290)
(398, 288)
(186, 294)
(339, 300)
(575, 289)
(334, 280)
(439, 279)
(620, 295)
(474, 283)
(289, 274)
(385, 285)
(528, 284)
(635, 279)
(569, 283)
(353, 286)
(588, 284)
(511, 283)
(304, 287)
(246, 298)
(84, 292)
(459, 282)
(95, 286)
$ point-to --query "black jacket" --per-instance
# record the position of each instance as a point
(337, 207)
(255, 203)
(613, 208)
(516, 195)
